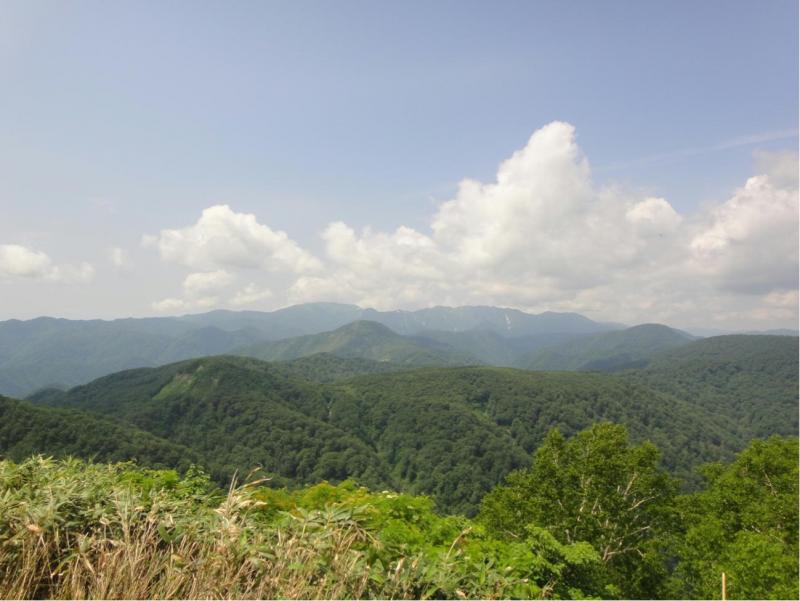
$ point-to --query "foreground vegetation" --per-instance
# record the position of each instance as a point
(593, 516)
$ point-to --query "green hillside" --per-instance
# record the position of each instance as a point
(752, 380)
(236, 414)
(27, 429)
(365, 340)
(326, 367)
(610, 351)
(525, 405)
(495, 349)
(452, 433)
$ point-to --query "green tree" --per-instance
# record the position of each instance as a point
(596, 488)
(746, 525)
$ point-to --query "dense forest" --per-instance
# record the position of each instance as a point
(592, 516)
(451, 433)
(752, 380)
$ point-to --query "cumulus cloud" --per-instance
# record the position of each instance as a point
(169, 305)
(222, 238)
(17, 261)
(543, 236)
(203, 282)
(250, 294)
(536, 235)
(750, 243)
(540, 236)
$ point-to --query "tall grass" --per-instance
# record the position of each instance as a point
(71, 530)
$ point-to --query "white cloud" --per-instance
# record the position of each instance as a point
(169, 305)
(750, 243)
(542, 236)
(222, 238)
(174, 305)
(206, 281)
(250, 294)
(120, 259)
(18, 261)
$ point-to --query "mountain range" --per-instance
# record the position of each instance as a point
(450, 432)
(60, 353)
(63, 353)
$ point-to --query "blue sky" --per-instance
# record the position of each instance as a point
(123, 119)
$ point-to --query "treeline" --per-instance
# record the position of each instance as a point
(592, 516)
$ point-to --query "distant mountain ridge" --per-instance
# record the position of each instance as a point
(48, 351)
(364, 340)
(610, 351)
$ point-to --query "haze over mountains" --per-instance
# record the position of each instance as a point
(49, 352)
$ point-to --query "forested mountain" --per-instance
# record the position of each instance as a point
(327, 367)
(364, 340)
(453, 433)
(60, 352)
(610, 351)
(506, 322)
(752, 380)
(27, 429)
(495, 349)
(236, 414)
(525, 405)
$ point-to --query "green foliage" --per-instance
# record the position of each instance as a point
(751, 381)
(525, 405)
(594, 488)
(324, 541)
(594, 517)
(746, 525)
(26, 429)
(236, 414)
(451, 433)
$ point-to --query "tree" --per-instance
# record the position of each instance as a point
(745, 524)
(597, 488)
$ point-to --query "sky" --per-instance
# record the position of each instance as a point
(631, 161)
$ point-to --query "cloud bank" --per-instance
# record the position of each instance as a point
(541, 236)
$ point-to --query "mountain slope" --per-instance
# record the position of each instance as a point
(326, 367)
(527, 404)
(365, 340)
(27, 429)
(506, 322)
(752, 380)
(236, 414)
(453, 433)
(63, 353)
(610, 351)
(493, 349)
